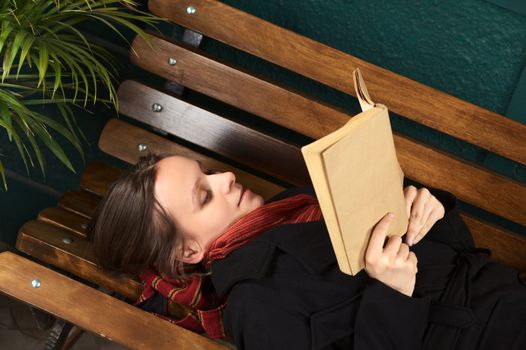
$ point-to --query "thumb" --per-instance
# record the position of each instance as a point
(377, 240)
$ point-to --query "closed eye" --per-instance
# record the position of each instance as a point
(208, 196)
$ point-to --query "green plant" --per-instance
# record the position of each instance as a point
(46, 59)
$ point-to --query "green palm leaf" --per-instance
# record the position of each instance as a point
(47, 60)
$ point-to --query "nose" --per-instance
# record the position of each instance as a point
(228, 179)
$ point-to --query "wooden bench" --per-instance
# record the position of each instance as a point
(261, 160)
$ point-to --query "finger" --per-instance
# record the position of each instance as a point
(403, 251)
(377, 240)
(418, 227)
(409, 196)
(434, 216)
(417, 211)
(393, 245)
(412, 258)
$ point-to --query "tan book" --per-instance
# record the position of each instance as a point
(357, 179)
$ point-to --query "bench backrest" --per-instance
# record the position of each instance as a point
(261, 160)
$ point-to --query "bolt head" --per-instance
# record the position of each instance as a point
(191, 10)
(142, 147)
(157, 107)
(172, 61)
(36, 283)
(83, 226)
(67, 240)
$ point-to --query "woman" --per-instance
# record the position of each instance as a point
(274, 265)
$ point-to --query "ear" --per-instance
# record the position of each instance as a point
(190, 252)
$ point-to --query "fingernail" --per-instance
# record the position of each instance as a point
(390, 214)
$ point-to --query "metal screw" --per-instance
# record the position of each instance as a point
(172, 61)
(142, 147)
(67, 240)
(190, 10)
(157, 107)
(83, 226)
(36, 283)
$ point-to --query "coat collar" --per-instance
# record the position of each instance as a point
(308, 242)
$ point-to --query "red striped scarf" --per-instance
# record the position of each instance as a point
(195, 292)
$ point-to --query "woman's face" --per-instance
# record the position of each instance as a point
(203, 203)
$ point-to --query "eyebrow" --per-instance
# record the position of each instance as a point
(196, 186)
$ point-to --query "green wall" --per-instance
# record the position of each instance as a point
(472, 49)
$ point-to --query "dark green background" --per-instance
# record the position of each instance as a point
(472, 49)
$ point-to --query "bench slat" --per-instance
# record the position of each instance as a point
(501, 196)
(198, 72)
(120, 139)
(334, 68)
(44, 241)
(65, 219)
(213, 132)
(506, 247)
(96, 177)
(93, 310)
(484, 189)
(82, 203)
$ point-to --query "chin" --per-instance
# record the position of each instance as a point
(255, 203)
(258, 201)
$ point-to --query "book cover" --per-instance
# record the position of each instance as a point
(357, 179)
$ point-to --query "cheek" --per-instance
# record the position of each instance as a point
(220, 217)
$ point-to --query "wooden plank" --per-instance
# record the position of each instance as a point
(55, 244)
(506, 247)
(45, 242)
(470, 183)
(332, 67)
(486, 190)
(195, 70)
(82, 203)
(65, 219)
(220, 135)
(109, 141)
(121, 140)
(93, 310)
(97, 176)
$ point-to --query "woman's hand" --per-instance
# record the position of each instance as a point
(423, 210)
(393, 265)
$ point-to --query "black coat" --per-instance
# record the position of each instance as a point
(285, 291)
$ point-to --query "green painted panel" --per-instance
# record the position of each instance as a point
(517, 107)
(469, 48)
(518, 6)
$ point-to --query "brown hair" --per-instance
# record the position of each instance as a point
(130, 230)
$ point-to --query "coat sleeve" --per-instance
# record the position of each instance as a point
(451, 229)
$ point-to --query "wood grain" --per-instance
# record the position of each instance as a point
(197, 71)
(96, 177)
(120, 140)
(506, 247)
(332, 67)
(485, 189)
(65, 219)
(82, 203)
(220, 135)
(469, 182)
(44, 241)
(93, 310)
